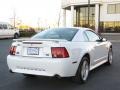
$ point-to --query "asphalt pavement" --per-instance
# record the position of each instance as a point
(103, 78)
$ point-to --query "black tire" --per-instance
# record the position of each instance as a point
(16, 36)
(79, 77)
(110, 57)
(28, 75)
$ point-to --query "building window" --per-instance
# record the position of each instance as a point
(113, 8)
(113, 26)
(118, 8)
(82, 17)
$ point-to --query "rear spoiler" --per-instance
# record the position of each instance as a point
(20, 40)
(30, 40)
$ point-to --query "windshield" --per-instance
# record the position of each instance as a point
(59, 33)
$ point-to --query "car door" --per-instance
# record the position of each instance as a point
(11, 30)
(6, 30)
(100, 51)
(2, 31)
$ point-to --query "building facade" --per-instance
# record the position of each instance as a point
(100, 15)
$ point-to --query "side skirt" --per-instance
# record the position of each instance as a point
(97, 65)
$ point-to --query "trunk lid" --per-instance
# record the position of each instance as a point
(38, 48)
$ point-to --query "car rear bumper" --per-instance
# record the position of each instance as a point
(42, 66)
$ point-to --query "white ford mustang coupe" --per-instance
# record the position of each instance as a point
(61, 52)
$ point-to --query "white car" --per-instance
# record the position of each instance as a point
(8, 31)
(62, 52)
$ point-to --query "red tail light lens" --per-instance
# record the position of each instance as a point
(59, 52)
(13, 50)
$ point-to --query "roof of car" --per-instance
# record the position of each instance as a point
(4, 23)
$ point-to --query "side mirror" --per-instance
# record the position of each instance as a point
(11, 28)
(104, 39)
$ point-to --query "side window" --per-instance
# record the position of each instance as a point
(85, 37)
(5, 26)
(1, 26)
(10, 26)
(92, 36)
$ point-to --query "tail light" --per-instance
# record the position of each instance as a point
(12, 50)
(59, 52)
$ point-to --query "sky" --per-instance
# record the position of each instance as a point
(30, 12)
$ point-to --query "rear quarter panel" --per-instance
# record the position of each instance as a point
(76, 52)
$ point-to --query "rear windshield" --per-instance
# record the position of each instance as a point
(59, 33)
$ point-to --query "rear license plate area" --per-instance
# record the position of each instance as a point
(32, 51)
